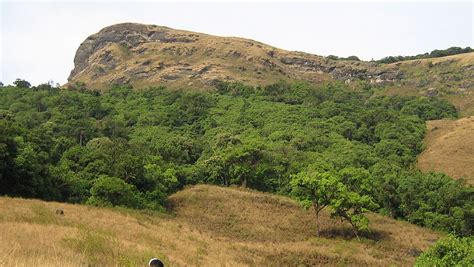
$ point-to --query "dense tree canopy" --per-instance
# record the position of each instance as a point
(133, 148)
(435, 53)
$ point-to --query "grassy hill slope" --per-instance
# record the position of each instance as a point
(209, 226)
(450, 148)
(449, 144)
(450, 78)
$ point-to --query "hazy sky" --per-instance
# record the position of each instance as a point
(39, 38)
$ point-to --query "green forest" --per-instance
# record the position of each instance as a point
(433, 54)
(327, 145)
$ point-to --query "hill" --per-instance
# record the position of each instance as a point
(209, 225)
(450, 78)
(150, 55)
(450, 148)
(144, 55)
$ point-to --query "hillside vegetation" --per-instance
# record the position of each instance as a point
(133, 148)
(150, 55)
(208, 225)
(206, 150)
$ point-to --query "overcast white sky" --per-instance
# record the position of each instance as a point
(39, 38)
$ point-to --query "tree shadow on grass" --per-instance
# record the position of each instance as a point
(347, 234)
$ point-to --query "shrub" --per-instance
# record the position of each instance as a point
(111, 191)
(449, 251)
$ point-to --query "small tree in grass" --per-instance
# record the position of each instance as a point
(316, 190)
(351, 207)
(353, 199)
(324, 189)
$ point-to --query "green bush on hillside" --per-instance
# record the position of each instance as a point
(111, 191)
(448, 251)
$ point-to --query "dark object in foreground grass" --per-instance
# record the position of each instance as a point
(155, 263)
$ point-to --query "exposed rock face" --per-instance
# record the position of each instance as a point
(128, 35)
(145, 55)
(148, 55)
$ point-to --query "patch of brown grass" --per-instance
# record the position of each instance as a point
(450, 148)
(464, 103)
(275, 230)
(210, 226)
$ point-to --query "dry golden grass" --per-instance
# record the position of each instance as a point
(209, 226)
(450, 148)
(464, 102)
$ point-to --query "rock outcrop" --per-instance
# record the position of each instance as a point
(150, 55)
(145, 55)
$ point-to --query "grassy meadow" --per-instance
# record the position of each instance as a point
(205, 225)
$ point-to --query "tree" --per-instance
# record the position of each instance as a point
(355, 58)
(344, 193)
(354, 198)
(316, 189)
(243, 160)
(351, 206)
(112, 191)
(20, 83)
(160, 182)
(233, 160)
(8, 153)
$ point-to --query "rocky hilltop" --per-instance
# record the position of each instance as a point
(149, 55)
(144, 55)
